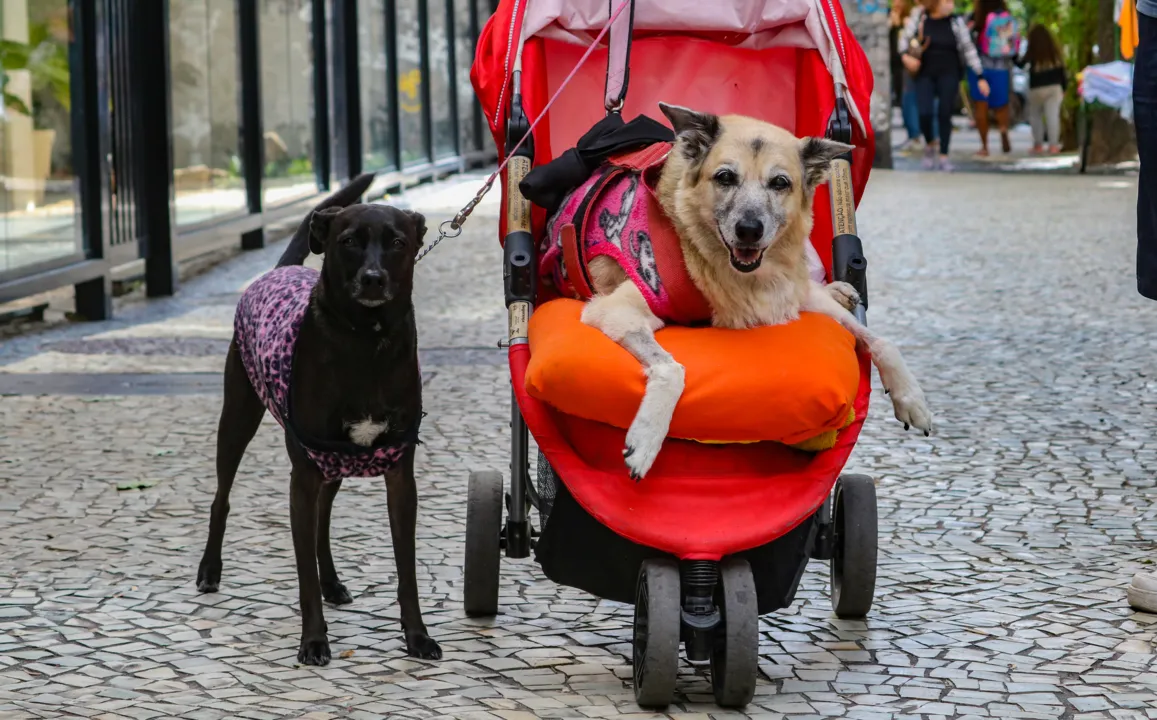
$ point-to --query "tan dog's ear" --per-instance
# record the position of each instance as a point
(319, 225)
(695, 132)
(817, 155)
(419, 221)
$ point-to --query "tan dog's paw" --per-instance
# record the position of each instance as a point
(907, 398)
(844, 294)
(644, 441)
(912, 409)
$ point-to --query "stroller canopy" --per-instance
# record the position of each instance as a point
(817, 25)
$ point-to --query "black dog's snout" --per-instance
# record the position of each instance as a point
(749, 230)
(373, 279)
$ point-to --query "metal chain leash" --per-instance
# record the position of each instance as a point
(453, 228)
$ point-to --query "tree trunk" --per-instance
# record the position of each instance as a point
(1111, 139)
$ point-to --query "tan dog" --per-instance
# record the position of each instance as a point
(739, 193)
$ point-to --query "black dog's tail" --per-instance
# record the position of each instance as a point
(298, 249)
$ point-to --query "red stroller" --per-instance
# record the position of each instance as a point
(716, 535)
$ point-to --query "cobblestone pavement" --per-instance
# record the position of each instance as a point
(1006, 538)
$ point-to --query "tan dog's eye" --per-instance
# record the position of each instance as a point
(780, 183)
(726, 177)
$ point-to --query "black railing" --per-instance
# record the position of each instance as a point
(123, 147)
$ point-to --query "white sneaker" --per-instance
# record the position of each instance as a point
(1142, 592)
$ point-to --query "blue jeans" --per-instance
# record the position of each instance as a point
(1145, 121)
(911, 111)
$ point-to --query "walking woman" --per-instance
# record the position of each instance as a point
(936, 46)
(1046, 88)
(999, 40)
(897, 17)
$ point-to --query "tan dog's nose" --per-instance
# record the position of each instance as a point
(749, 231)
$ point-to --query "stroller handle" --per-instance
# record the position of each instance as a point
(519, 267)
(848, 262)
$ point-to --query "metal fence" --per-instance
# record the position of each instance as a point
(267, 104)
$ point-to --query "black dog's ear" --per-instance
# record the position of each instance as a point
(696, 131)
(319, 224)
(419, 221)
(817, 155)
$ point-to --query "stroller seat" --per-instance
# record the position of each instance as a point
(795, 384)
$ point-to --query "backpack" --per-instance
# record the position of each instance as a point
(1001, 37)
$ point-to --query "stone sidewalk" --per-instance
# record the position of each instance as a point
(1006, 538)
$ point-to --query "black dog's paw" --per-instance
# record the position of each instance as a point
(208, 577)
(313, 652)
(336, 593)
(421, 645)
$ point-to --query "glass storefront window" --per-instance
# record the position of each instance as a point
(207, 174)
(410, 81)
(374, 78)
(445, 144)
(287, 98)
(38, 208)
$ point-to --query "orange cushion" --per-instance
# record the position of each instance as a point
(786, 383)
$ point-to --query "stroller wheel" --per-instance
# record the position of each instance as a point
(853, 566)
(735, 656)
(655, 656)
(483, 538)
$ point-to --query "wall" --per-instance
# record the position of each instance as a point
(868, 20)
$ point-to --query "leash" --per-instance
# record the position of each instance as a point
(450, 229)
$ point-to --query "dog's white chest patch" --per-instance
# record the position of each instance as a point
(366, 431)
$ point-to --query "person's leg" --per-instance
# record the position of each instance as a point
(1142, 591)
(1000, 84)
(1052, 111)
(1036, 112)
(925, 92)
(979, 111)
(935, 113)
(1145, 121)
(1002, 117)
(911, 112)
(947, 86)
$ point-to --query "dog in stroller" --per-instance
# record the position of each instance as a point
(743, 427)
(739, 193)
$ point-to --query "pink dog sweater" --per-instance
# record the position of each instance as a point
(615, 214)
(266, 327)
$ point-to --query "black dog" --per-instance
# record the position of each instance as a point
(356, 396)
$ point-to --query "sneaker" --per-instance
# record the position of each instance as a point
(910, 146)
(946, 165)
(929, 162)
(1142, 592)
(1054, 149)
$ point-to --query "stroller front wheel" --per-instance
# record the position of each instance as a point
(735, 656)
(483, 544)
(655, 652)
(853, 566)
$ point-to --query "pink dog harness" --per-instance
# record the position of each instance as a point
(267, 324)
(615, 214)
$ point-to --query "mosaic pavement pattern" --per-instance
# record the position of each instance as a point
(1006, 538)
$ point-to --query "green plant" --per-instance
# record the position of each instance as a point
(46, 60)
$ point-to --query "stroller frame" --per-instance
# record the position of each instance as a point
(710, 605)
